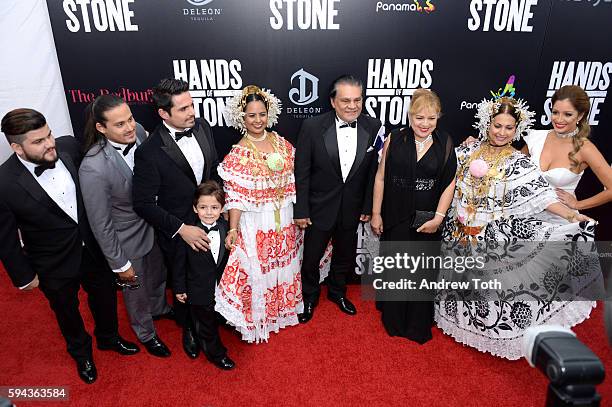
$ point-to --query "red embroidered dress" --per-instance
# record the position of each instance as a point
(261, 288)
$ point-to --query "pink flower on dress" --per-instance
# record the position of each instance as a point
(479, 168)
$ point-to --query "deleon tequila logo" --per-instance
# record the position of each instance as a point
(307, 90)
(304, 92)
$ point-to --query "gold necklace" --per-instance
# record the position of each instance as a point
(279, 185)
(479, 188)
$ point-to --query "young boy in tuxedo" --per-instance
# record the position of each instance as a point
(196, 273)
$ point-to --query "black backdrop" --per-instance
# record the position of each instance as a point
(461, 49)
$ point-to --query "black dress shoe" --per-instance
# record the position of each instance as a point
(156, 347)
(171, 315)
(345, 305)
(307, 314)
(225, 363)
(87, 371)
(120, 346)
(190, 344)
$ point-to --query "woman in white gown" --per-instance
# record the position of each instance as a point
(506, 211)
(564, 152)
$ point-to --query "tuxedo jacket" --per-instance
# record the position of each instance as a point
(52, 241)
(197, 273)
(164, 183)
(106, 184)
(322, 195)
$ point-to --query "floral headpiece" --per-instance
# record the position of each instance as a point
(487, 108)
(234, 108)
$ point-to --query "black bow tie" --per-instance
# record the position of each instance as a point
(180, 134)
(208, 230)
(352, 125)
(42, 168)
(127, 149)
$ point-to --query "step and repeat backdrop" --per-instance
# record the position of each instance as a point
(464, 50)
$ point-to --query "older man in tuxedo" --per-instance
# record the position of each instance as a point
(335, 166)
(127, 241)
(41, 198)
(178, 155)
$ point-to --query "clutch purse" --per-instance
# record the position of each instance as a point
(421, 217)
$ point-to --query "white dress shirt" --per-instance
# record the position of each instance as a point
(129, 157)
(215, 241)
(59, 185)
(191, 150)
(347, 147)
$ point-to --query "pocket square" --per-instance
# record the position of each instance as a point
(371, 148)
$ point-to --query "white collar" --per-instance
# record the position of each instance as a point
(30, 166)
(119, 146)
(208, 226)
(172, 130)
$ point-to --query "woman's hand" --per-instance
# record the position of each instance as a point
(579, 217)
(469, 141)
(566, 198)
(431, 226)
(181, 297)
(230, 239)
(376, 223)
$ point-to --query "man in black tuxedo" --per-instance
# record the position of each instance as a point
(335, 166)
(41, 199)
(178, 155)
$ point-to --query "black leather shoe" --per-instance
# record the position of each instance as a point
(225, 363)
(171, 315)
(345, 305)
(307, 314)
(120, 346)
(190, 345)
(87, 371)
(156, 347)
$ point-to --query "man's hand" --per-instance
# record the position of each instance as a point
(128, 276)
(195, 237)
(364, 218)
(302, 223)
(181, 297)
(33, 284)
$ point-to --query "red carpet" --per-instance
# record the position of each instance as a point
(334, 360)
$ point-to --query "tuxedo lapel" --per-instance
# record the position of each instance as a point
(33, 188)
(119, 163)
(331, 145)
(174, 152)
(362, 145)
(199, 135)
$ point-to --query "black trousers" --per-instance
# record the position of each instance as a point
(169, 248)
(342, 263)
(207, 331)
(99, 283)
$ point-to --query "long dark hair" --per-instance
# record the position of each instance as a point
(94, 113)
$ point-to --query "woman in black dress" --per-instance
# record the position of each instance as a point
(413, 189)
